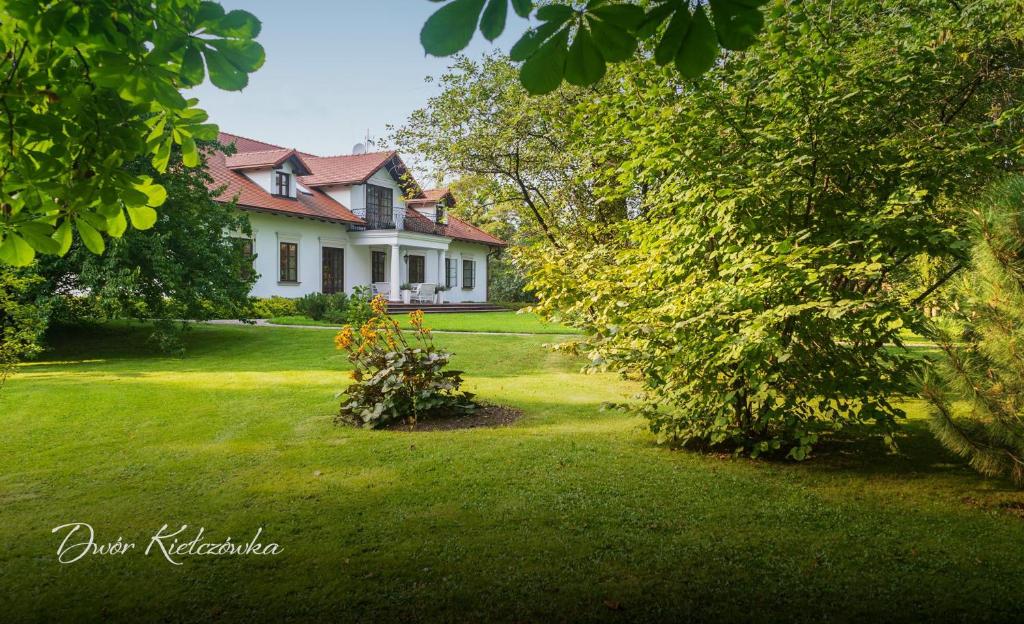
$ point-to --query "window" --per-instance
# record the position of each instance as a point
(283, 184)
(439, 215)
(468, 274)
(289, 262)
(451, 277)
(245, 245)
(333, 270)
(377, 265)
(417, 269)
(379, 203)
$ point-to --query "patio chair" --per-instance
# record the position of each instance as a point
(424, 293)
(381, 288)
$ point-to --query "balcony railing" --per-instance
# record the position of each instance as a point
(382, 219)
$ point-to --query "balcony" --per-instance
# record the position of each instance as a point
(382, 219)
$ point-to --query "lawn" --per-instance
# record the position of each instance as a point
(571, 513)
(499, 322)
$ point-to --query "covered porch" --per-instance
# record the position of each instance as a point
(400, 258)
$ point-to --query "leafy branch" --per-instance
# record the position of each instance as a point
(576, 44)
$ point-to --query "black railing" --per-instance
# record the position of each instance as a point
(382, 218)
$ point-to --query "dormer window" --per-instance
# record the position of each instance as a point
(283, 184)
(439, 215)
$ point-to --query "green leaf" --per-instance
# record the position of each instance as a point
(245, 55)
(90, 236)
(15, 251)
(616, 43)
(238, 24)
(737, 22)
(63, 237)
(492, 23)
(522, 7)
(117, 224)
(531, 41)
(189, 153)
(205, 131)
(155, 193)
(627, 16)
(585, 64)
(451, 27)
(143, 217)
(210, 13)
(543, 72)
(192, 69)
(655, 18)
(38, 235)
(223, 74)
(700, 48)
(559, 13)
(672, 39)
(162, 155)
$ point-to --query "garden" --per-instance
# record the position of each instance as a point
(570, 510)
(761, 358)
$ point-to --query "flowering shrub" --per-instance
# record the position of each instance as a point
(396, 379)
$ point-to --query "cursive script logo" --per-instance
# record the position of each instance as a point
(173, 544)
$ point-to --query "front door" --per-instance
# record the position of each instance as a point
(417, 269)
(333, 270)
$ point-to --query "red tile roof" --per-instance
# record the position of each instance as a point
(431, 196)
(341, 170)
(248, 194)
(262, 159)
(454, 228)
(326, 170)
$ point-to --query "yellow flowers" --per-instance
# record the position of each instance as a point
(379, 335)
(416, 320)
(343, 339)
(379, 305)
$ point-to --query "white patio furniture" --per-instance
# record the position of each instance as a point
(381, 288)
(423, 293)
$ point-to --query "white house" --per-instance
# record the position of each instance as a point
(331, 223)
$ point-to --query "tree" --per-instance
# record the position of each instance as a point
(514, 158)
(575, 43)
(775, 209)
(190, 266)
(88, 87)
(22, 321)
(983, 341)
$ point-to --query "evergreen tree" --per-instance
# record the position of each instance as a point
(984, 344)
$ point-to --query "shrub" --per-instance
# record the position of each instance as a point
(359, 309)
(395, 380)
(316, 305)
(274, 306)
(22, 321)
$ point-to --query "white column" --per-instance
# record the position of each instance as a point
(457, 286)
(396, 275)
(440, 267)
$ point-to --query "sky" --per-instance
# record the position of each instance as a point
(335, 70)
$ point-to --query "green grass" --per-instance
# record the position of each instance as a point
(550, 519)
(498, 322)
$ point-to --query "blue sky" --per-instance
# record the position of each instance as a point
(334, 70)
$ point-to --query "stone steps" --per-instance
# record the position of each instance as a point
(401, 308)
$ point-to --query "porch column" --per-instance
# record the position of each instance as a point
(396, 274)
(440, 267)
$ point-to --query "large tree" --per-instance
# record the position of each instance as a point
(89, 87)
(191, 265)
(776, 208)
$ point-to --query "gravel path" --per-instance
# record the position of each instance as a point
(265, 323)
